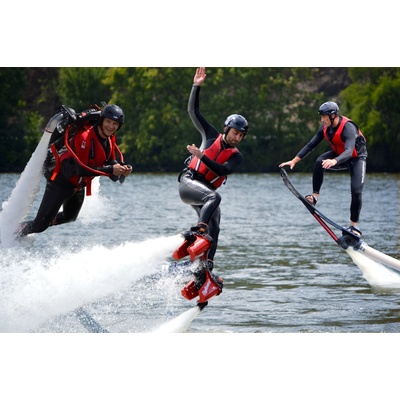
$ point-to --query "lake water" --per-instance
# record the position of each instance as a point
(283, 274)
(282, 271)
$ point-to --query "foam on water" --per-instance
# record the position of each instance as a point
(35, 289)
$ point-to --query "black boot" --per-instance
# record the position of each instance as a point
(201, 228)
(199, 277)
(210, 265)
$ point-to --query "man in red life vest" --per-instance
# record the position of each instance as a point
(209, 166)
(348, 151)
(90, 152)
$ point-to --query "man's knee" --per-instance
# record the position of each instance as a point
(215, 197)
(318, 161)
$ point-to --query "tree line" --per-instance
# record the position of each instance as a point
(280, 105)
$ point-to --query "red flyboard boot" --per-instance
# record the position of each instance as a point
(211, 287)
(190, 291)
(198, 248)
(181, 251)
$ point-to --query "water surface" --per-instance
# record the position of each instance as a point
(282, 272)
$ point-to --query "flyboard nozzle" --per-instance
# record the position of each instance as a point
(200, 245)
(193, 246)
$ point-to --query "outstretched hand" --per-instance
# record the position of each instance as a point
(290, 163)
(195, 151)
(200, 76)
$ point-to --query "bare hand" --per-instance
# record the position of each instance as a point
(328, 163)
(290, 163)
(200, 76)
(119, 170)
(195, 151)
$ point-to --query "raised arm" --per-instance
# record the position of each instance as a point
(206, 130)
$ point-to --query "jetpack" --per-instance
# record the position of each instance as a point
(63, 126)
(349, 240)
(204, 283)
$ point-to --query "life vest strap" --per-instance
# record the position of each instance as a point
(57, 167)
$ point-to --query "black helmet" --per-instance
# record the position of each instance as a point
(113, 112)
(328, 108)
(238, 122)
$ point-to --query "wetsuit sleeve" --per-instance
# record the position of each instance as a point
(349, 135)
(227, 168)
(312, 144)
(207, 131)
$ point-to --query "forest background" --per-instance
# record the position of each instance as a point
(280, 103)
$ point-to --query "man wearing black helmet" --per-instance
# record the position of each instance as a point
(90, 151)
(209, 166)
(348, 151)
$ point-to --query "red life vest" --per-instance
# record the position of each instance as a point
(337, 143)
(217, 153)
(88, 153)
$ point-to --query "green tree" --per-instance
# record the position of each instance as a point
(279, 103)
(18, 127)
(158, 127)
(80, 87)
(154, 101)
(373, 101)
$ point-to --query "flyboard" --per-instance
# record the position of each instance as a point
(378, 268)
(204, 284)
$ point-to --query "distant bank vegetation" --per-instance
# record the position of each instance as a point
(280, 105)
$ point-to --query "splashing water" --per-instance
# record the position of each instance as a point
(35, 289)
(377, 275)
(180, 323)
(24, 193)
(38, 284)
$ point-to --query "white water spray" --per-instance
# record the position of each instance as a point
(377, 274)
(20, 201)
(181, 323)
(34, 290)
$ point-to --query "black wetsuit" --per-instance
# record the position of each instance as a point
(196, 191)
(355, 165)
